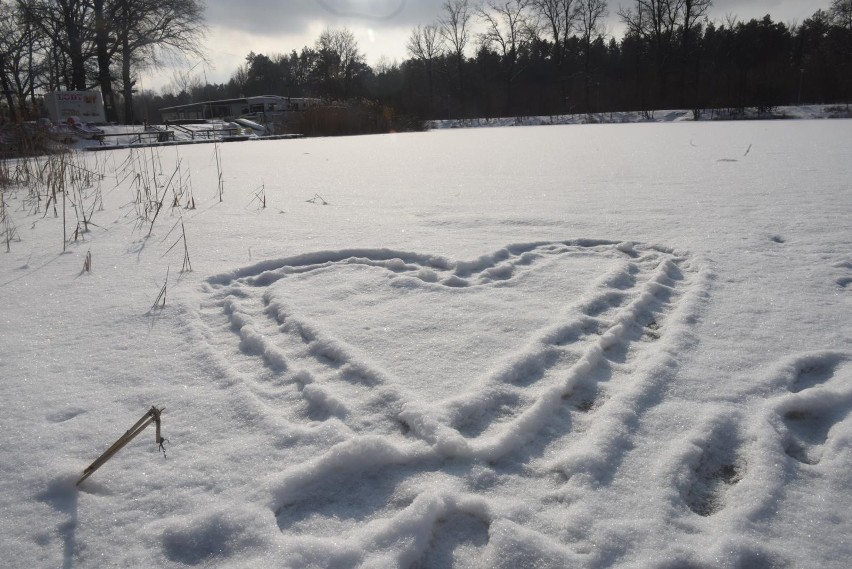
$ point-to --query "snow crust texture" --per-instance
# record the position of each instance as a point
(583, 346)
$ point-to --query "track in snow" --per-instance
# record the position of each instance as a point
(816, 395)
(401, 467)
(820, 400)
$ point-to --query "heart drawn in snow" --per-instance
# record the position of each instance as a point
(525, 362)
(431, 326)
(440, 332)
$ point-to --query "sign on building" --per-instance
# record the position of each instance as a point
(85, 106)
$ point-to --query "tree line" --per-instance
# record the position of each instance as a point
(497, 57)
(515, 57)
(48, 45)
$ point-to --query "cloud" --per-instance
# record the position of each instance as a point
(273, 26)
(780, 10)
(273, 17)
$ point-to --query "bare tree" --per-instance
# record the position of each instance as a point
(340, 61)
(841, 13)
(104, 50)
(4, 80)
(693, 11)
(508, 27)
(11, 43)
(22, 49)
(655, 21)
(454, 25)
(559, 18)
(147, 31)
(590, 15)
(184, 84)
(425, 44)
(68, 24)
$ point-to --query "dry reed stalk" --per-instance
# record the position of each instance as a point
(317, 199)
(187, 266)
(260, 196)
(162, 295)
(218, 155)
(152, 416)
(7, 226)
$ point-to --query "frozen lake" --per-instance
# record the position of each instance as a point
(562, 346)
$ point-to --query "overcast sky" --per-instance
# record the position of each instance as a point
(381, 26)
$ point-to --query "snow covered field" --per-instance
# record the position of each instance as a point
(566, 346)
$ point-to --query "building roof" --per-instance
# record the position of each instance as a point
(249, 100)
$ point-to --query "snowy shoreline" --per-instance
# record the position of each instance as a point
(806, 112)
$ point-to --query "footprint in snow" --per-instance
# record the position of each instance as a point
(456, 539)
(815, 409)
(809, 432)
(720, 466)
(844, 281)
(64, 415)
(813, 371)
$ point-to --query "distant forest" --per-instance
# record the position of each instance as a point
(549, 57)
(540, 57)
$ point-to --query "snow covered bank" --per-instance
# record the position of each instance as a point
(811, 112)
